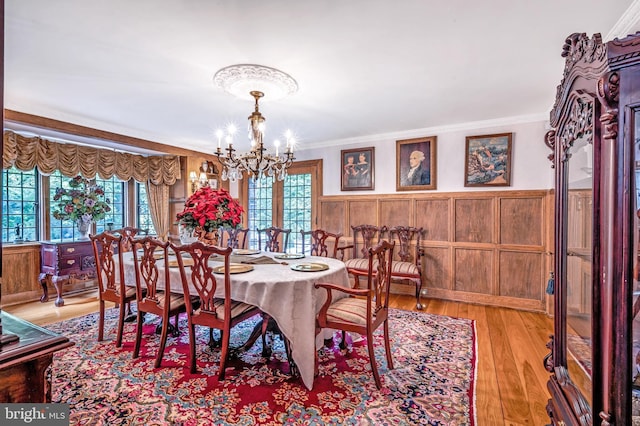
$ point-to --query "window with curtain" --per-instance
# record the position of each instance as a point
(20, 191)
(143, 216)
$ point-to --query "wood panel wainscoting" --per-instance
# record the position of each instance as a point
(491, 247)
(20, 270)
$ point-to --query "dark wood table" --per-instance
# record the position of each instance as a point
(25, 363)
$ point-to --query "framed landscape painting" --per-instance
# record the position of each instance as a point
(357, 169)
(488, 160)
(416, 164)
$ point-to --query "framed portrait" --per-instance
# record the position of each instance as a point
(488, 160)
(357, 169)
(416, 164)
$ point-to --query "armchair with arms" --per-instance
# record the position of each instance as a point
(318, 242)
(366, 309)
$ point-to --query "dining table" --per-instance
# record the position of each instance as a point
(281, 285)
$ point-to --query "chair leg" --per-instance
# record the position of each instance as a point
(101, 322)
(418, 294)
(372, 359)
(343, 343)
(163, 341)
(223, 354)
(120, 327)
(176, 332)
(136, 348)
(387, 345)
(192, 347)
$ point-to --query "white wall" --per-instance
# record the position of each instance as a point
(530, 167)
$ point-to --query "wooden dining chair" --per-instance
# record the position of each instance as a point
(235, 238)
(364, 310)
(111, 283)
(199, 280)
(128, 234)
(148, 253)
(364, 237)
(318, 242)
(272, 237)
(408, 266)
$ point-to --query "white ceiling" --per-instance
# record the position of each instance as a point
(144, 68)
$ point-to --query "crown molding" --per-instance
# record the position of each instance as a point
(629, 19)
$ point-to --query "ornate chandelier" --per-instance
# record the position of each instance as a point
(257, 162)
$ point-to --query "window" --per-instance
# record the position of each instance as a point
(19, 205)
(290, 204)
(297, 208)
(59, 229)
(115, 193)
(260, 211)
(113, 190)
(142, 210)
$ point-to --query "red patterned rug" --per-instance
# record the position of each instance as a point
(433, 382)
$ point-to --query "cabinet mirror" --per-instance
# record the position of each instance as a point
(579, 281)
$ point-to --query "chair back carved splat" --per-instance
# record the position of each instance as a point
(272, 239)
(318, 242)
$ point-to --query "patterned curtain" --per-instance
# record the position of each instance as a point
(73, 160)
(158, 198)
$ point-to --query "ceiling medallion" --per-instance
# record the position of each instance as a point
(239, 80)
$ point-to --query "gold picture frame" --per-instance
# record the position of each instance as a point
(488, 160)
(416, 164)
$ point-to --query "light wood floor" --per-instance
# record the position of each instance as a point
(511, 381)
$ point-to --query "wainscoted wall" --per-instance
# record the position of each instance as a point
(485, 247)
(20, 270)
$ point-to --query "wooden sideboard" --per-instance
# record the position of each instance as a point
(24, 363)
(63, 262)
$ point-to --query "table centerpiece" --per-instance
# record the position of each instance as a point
(205, 211)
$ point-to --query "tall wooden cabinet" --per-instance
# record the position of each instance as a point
(596, 340)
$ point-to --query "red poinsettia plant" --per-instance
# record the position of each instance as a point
(210, 209)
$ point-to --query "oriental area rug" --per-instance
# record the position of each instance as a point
(433, 382)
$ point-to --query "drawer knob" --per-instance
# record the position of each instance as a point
(70, 262)
(71, 249)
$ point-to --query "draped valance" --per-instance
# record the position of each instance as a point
(25, 153)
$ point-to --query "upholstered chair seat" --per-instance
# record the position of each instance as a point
(409, 269)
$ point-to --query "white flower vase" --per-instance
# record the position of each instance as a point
(188, 235)
(83, 228)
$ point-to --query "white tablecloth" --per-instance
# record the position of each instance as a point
(287, 295)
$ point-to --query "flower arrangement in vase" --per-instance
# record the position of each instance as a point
(83, 202)
(205, 211)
